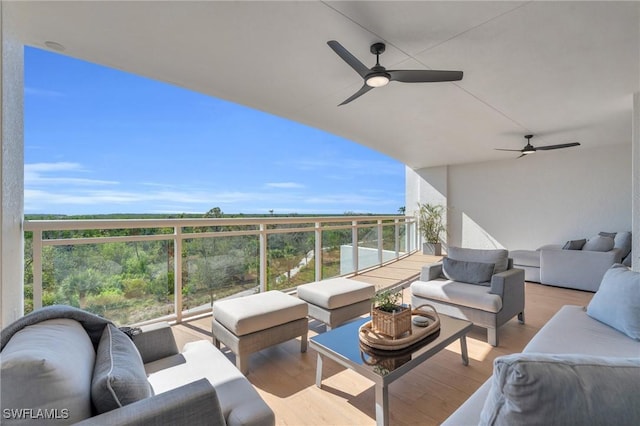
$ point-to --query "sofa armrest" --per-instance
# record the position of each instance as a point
(431, 271)
(194, 404)
(510, 286)
(579, 269)
(155, 342)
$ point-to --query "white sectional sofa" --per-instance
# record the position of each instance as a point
(570, 336)
(578, 264)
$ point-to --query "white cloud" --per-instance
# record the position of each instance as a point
(287, 185)
(38, 174)
(34, 91)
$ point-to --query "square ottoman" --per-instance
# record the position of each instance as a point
(249, 324)
(337, 300)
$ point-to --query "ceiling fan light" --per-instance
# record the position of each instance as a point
(528, 151)
(378, 80)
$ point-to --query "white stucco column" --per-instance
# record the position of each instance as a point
(635, 187)
(12, 175)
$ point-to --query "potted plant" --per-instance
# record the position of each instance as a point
(389, 316)
(431, 226)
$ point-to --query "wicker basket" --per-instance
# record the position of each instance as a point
(392, 324)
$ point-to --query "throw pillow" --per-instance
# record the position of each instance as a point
(617, 301)
(467, 272)
(118, 376)
(627, 260)
(48, 365)
(574, 244)
(545, 389)
(499, 257)
(622, 241)
(607, 234)
(598, 243)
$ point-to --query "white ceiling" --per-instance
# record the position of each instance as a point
(564, 71)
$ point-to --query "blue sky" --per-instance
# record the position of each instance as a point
(98, 140)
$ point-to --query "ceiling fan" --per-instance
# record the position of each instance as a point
(530, 149)
(378, 75)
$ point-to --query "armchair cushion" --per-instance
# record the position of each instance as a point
(535, 388)
(118, 377)
(617, 301)
(467, 272)
(48, 365)
(599, 243)
(498, 257)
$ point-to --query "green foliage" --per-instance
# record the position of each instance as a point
(431, 221)
(387, 300)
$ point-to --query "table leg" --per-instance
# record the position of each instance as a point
(463, 349)
(319, 371)
(382, 405)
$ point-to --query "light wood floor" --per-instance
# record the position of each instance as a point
(285, 378)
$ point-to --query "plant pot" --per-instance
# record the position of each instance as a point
(392, 324)
(434, 249)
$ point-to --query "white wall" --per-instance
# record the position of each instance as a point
(544, 198)
(12, 174)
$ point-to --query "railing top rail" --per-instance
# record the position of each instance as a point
(78, 224)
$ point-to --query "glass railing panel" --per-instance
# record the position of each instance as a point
(216, 268)
(290, 259)
(125, 282)
(337, 253)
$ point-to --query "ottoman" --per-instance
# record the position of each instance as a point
(529, 260)
(249, 324)
(337, 300)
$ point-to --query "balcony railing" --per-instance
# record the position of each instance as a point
(136, 271)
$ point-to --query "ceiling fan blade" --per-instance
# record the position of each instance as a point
(562, 145)
(346, 56)
(514, 150)
(424, 76)
(364, 89)
(521, 155)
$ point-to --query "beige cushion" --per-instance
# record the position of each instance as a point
(257, 312)
(240, 402)
(336, 292)
(457, 293)
(48, 365)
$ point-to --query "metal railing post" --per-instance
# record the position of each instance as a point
(177, 268)
(318, 251)
(36, 247)
(263, 257)
(354, 244)
(380, 242)
(396, 237)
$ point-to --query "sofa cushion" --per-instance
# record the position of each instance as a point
(467, 272)
(607, 234)
(574, 244)
(499, 257)
(457, 293)
(563, 389)
(48, 365)
(617, 301)
(240, 402)
(622, 241)
(118, 377)
(598, 243)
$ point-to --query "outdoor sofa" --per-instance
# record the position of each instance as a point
(582, 367)
(70, 366)
(578, 264)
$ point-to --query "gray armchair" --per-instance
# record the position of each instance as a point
(480, 286)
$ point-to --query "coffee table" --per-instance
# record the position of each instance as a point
(343, 346)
